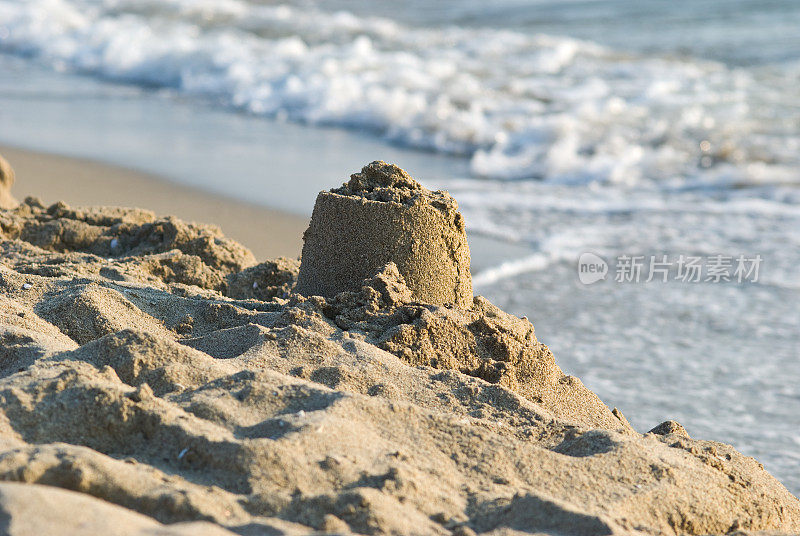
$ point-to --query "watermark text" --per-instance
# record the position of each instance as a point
(664, 268)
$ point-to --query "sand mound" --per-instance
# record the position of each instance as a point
(265, 281)
(163, 402)
(483, 341)
(90, 311)
(46, 511)
(25, 337)
(7, 201)
(119, 232)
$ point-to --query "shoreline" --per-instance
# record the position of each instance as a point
(81, 181)
(85, 182)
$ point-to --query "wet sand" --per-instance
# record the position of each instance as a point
(268, 233)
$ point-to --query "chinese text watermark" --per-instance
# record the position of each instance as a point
(663, 268)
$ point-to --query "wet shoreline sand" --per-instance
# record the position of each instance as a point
(267, 232)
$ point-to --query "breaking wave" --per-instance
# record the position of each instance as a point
(520, 106)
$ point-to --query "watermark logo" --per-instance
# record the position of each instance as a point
(663, 268)
(591, 268)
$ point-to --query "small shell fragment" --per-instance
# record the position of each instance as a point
(26, 286)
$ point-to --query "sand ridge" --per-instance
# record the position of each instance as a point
(158, 370)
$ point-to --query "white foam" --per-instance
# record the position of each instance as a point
(510, 269)
(518, 105)
(560, 222)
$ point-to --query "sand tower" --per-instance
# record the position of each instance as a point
(383, 215)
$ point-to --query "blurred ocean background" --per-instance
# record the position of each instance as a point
(561, 126)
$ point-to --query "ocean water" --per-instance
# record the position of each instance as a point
(626, 129)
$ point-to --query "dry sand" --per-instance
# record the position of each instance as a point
(180, 387)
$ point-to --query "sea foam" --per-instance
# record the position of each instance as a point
(519, 105)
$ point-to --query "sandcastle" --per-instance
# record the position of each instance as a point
(383, 215)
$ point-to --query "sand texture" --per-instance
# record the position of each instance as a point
(7, 201)
(382, 215)
(156, 379)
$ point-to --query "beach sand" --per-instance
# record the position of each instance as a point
(268, 233)
(160, 375)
